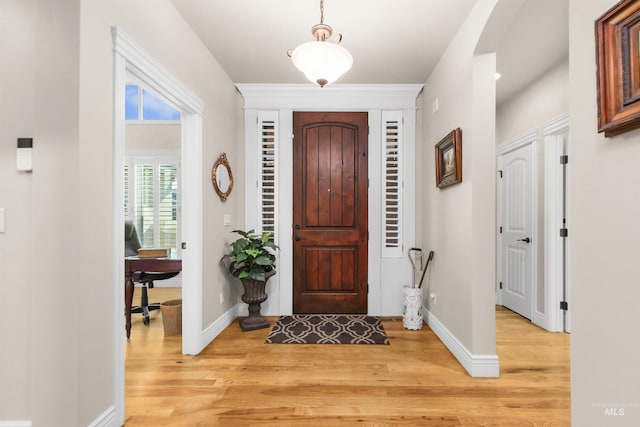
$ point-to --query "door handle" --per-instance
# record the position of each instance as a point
(526, 240)
(297, 238)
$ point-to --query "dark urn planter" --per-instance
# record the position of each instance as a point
(254, 295)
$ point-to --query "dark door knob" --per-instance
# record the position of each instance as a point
(526, 240)
(297, 226)
(297, 238)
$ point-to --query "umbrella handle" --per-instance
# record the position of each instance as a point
(429, 258)
(413, 265)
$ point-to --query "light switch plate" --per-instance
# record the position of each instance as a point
(227, 220)
(1, 220)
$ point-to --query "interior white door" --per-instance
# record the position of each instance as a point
(517, 221)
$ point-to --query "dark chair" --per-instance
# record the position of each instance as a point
(145, 278)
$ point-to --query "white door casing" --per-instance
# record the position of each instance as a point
(129, 58)
(556, 281)
(517, 219)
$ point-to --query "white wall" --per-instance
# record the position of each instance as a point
(153, 136)
(604, 235)
(543, 100)
(169, 40)
(17, 109)
(57, 283)
(37, 72)
(39, 280)
(458, 222)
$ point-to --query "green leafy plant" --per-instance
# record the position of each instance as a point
(252, 255)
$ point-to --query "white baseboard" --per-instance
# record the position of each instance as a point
(539, 319)
(106, 419)
(219, 325)
(477, 365)
(15, 424)
(242, 310)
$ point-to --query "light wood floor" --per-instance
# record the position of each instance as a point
(240, 381)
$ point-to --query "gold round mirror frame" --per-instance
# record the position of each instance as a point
(221, 177)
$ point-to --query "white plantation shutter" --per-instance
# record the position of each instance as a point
(268, 174)
(126, 191)
(152, 199)
(144, 207)
(167, 206)
(392, 184)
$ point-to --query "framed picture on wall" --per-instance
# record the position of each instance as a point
(618, 68)
(449, 159)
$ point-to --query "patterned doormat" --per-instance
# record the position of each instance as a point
(328, 329)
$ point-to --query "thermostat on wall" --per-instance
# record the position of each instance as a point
(23, 156)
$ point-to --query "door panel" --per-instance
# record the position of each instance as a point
(330, 212)
(330, 270)
(517, 217)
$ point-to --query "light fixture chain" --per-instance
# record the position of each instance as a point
(322, 11)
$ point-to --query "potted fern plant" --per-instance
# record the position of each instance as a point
(253, 261)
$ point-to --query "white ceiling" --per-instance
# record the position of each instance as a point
(391, 41)
(537, 40)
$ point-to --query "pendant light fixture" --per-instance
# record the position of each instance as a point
(322, 61)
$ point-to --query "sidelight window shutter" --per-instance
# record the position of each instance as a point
(392, 184)
(268, 174)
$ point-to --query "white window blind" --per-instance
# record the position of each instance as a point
(152, 199)
(167, 206)
(392, 184)
(268, 174)
(145, 203)
(126, 191)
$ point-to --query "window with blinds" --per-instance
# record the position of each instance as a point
(392, 184)
(267, 179)
(152, 200)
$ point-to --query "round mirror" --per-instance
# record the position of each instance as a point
(221, 177)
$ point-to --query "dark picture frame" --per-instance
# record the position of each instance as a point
(618, 68)
(449, 159)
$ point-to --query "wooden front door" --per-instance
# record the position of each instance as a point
(330, 230)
